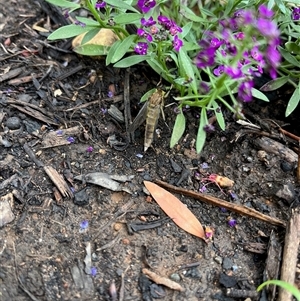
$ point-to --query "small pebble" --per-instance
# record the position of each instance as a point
(125, 241)
(227, 263)
(218, 259)
(286, 166)
(287, 192)
(13, 123)
(117, 226)
(175, 277)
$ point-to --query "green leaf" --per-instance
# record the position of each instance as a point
(289, 287)
(131, 60)
(64, 3)
(127, 18)
(292, 47)
(121, 4)
(157, 68)
(186, 68)
(147, 95)
(219, 115)
(87, 21)
(186, 29)
(92, 50)
(190, 15)
(89, 35)
(259, 95)
(112, 51)
(228, 7)
(281, 6)
(201, 135)
(178, 129)
(293, 102)
(122, 48)
(290, 58)
(69, 31)
(274, 84)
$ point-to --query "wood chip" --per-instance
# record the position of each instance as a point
(163, 280)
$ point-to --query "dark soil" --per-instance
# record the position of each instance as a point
(44, 252)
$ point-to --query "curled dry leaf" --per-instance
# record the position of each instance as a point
(163, 280)
(176, 210)
(224, 181)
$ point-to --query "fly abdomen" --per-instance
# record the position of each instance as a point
(151, 122)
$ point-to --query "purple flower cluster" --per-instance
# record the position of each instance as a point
(255, 59)
(161, 30)
(146, 5)
(296, 14)
(100, 4)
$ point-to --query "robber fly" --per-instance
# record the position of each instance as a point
(150, 112)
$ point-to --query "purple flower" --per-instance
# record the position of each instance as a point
(164, 21)
(66, 14)
(239, 36)
(268, 28)
(245, 91)
(100, 4)
(79, 23)
(273, 56)
(219, 70)
(148, 23)
(264, 12)
(205, 58)
(233, 72)
(71, 139)
(177, 43)
(141, 48)
(232, 222)
(93, 271)
(59, 132)
(202, 189)
(296, 14)
(174, 29)
(203, 87)
(223, 209)
(256, 54)
(209, 128)
(216, 43)
(204, 165)
(110, 94)
(84, 225)
(241, 18)
(142, 33)
(146, 5)
(90, 149)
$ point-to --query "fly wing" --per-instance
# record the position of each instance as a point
(139, 119)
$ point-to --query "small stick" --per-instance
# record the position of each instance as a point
(223, 204)
(298, 165)
(122, 288)
(163, 280)
(290, 253)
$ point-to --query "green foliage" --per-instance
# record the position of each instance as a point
(289, 287)
(69, 31)
(177, 65)
(178, 129)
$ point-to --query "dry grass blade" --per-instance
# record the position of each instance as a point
(176, 210)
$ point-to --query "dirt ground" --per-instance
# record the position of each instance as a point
(81, 241)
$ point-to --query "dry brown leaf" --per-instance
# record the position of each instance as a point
(176, 210)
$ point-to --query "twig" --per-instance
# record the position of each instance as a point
(127, 111)
(290, 253)
(122, 287)
(298, 165)
(85, 105)
(223, 204)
